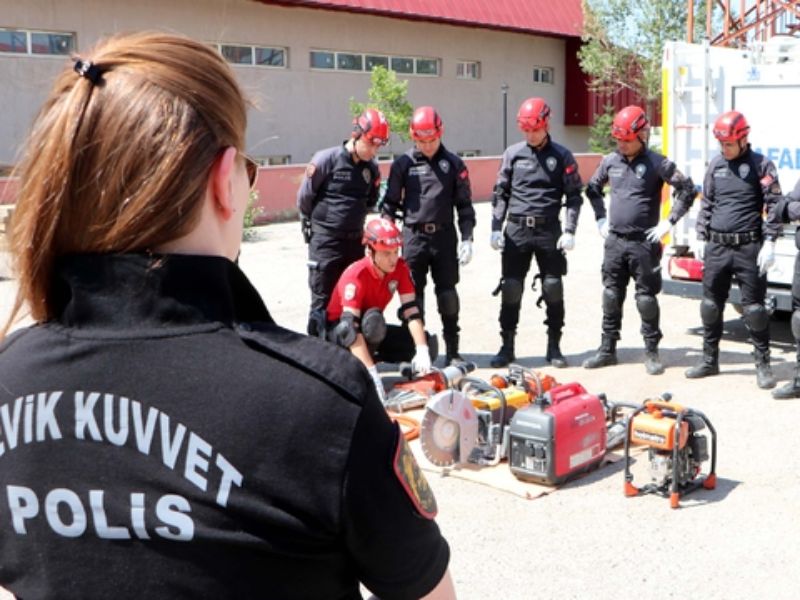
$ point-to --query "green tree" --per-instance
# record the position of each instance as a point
(600, 140)
(388, 95)
(623, 41)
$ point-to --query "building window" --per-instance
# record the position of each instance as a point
(351, 61)
(276, 159)
(468, 69)
(468, 153)
(543, 75)
(260, 56)
(376, 61)
(43, 43)
(384, 156)
(427, 66)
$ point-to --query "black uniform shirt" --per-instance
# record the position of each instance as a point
(531, 182)
(337, 191)
(736, 193)
(636, 186)
(426, 190)
(163, 438)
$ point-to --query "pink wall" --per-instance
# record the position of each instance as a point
(278, 185)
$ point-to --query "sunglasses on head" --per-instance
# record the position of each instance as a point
(252, 166)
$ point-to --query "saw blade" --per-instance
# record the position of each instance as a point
(439, 438)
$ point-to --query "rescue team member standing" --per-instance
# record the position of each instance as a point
(788, 210)
(739, 186)
(632, 249)
(340, 186)
(425, 185)
(167, 439)
(534, 176)
(355, 312)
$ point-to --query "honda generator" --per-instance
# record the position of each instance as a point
(678, 441)
(561, 434)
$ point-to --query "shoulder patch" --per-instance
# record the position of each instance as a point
(571, 168)
(310, 170)
(349, 291)
(413, 482)
(464, 173)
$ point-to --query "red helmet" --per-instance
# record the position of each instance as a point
(382, 234)
(629, 123)
(373, 126)
(533, 114)
(731, 126)
(426, 124)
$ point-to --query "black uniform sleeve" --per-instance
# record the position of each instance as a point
(594, 189)
(706, 204)
(392, 206)
(397, 552)
(683, 189)
(793, 204)
(463, 201)
(374, 192)
(316, 173)
(502, 191)
(771, 189)
(573, 187)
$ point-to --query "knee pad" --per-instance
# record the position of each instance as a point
(647, 307)
(796, 325)
(611, 301)
(709, 311)
(345, 332)
(552, 289)
(373, 326)
(448, 304)
(512, 291)
(756, 317)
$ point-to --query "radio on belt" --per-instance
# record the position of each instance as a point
(561, 434)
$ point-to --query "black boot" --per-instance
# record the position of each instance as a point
(652, 362)
(506, 353)
(606, 354)
(708, 366)
(764, 377)
(791, 389)
(433, 346)
(554, 356)
(451, 350)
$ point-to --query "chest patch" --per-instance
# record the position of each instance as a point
(342, 176)
(418, 170)
(524, 164)
(392, 285)
(551, 163)
(367, 175)
(744, 170)
(640, 170)
(615, 172)
(413, 482)
(444, 165)
(349, 291)
(720, 173)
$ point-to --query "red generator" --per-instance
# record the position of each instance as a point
(561, 434)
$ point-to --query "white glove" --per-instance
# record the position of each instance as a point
(421, 363)
(766, 257)
(654, 234)
(602, 227)
(699, 249)
(376, 379)
(497, 240)
(566, 242)
(464, 252)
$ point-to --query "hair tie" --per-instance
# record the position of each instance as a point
(87, 69)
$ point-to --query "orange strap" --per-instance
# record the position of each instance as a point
(408, 425)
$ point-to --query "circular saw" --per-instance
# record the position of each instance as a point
(449, 429)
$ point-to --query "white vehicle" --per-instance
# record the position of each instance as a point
(701, 82)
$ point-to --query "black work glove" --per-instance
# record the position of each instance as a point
(305, 227)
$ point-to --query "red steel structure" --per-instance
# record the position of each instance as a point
(752, 21)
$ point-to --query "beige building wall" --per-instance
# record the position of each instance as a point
(298, 109)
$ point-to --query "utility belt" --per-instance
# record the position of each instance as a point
(532, 221)
(734, 239)
(428, 227)
(336, 233)
(633, 236)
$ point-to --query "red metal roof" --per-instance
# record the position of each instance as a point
(562, 18)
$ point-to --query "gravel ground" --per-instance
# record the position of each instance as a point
(587, 540)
